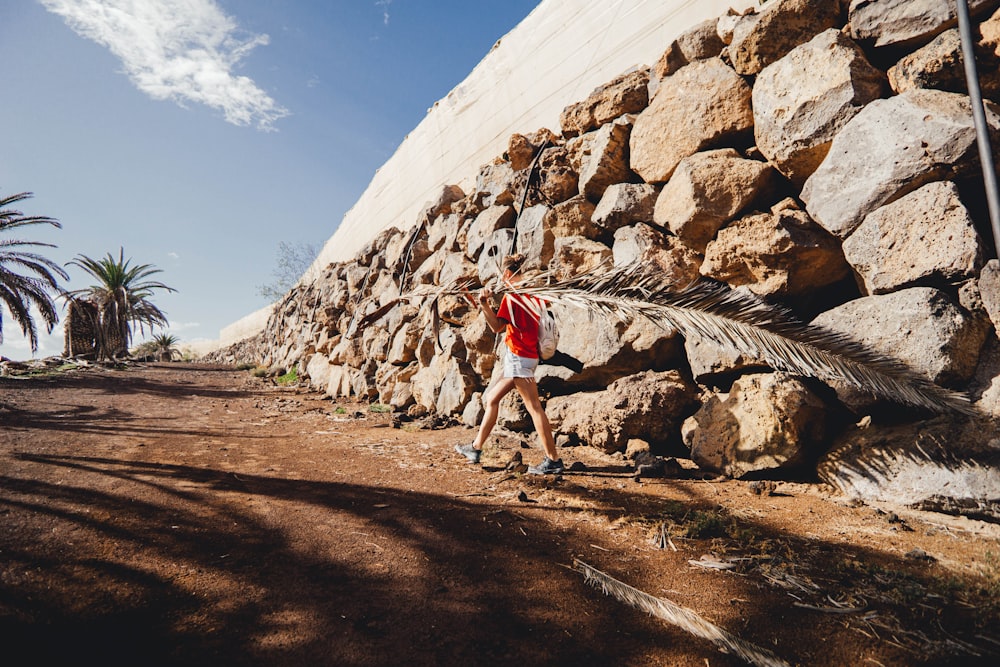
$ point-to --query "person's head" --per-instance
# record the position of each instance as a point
(512, 265)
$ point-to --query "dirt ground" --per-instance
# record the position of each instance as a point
(170, 514)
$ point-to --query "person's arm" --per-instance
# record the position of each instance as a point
(486, 305)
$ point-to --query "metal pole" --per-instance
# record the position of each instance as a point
(979, 118)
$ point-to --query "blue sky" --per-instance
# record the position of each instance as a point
(198, 134)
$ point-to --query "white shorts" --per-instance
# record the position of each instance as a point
(518, 367)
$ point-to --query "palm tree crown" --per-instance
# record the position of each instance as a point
(18, 291)
(122, 297)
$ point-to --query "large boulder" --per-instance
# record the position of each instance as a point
(801, 101)
(904, 23)
(495, 184)
(767, 421)
(891, 148)
(627, 93)
(781, 253)
(703, 105)
(647, 405)
(623, 204)
(920, 326)
(926, 235)
(574, 255)
(778, 29)
(989, 290)
(707, 190)
(928, 465)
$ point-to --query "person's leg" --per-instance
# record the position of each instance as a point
(528, 389)
(491, 402)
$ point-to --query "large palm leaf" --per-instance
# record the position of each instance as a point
(20, 292)
(735, 320)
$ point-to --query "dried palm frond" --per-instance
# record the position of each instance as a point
(735, 320)
(682, 617)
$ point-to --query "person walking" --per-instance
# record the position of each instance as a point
(518, 319)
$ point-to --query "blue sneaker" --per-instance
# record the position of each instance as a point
(547, 467)
(469, 452)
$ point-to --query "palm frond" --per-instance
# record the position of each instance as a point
(682, 617)
(740, 321)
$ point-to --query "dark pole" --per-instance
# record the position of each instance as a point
(979, 118)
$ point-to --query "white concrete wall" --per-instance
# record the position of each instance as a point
(556, 56)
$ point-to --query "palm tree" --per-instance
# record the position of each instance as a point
(122, 298)
(165, 346)
(20, 292)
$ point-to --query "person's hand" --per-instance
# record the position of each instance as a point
(486, 296)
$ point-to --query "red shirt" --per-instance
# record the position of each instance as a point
(522, 323)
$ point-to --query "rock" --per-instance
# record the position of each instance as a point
(623, 204)
(766, 422)
(574, 255)
(936, 65)
(801, 101)
(712, 364)
(989, 290)
(318, 370)
(931, 465)
(919, 326)
(440, 205)
(649, 405)
(697, 43)
(534, 238)
(495, 184)
(891, 148)
(783, 253)
(904, 23)
(706, 190)
(778, 29)
(497, 246)
(606, 160)
(643, 243)
(558, 180)
(604, 349)
(624, 94)
(926, 235)
(487, 222)
(443, 232)
(571, 218)
(703, 105)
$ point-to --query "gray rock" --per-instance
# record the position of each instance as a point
(891, 148)
(903, 23)
(919, 326)
(801, 101)
(928, 234)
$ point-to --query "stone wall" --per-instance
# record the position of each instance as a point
(819, 156)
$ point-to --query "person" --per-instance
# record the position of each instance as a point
(520, 359)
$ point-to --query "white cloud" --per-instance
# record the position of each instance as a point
(173, 255)
(179, 50)
(384, 4)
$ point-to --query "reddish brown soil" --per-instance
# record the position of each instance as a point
(192, 515)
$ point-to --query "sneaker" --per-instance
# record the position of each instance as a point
(547, 467)
(469, 452)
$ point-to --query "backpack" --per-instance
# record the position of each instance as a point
(548, 334)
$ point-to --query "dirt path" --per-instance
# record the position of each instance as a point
(181, 514)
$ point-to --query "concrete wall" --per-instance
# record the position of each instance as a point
(556, 56)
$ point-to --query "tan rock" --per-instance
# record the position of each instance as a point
(707, 190)
(704, 105)
(778, 29)
(624, 94)
(606, 161)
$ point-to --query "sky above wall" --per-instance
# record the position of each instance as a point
(198, 134)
